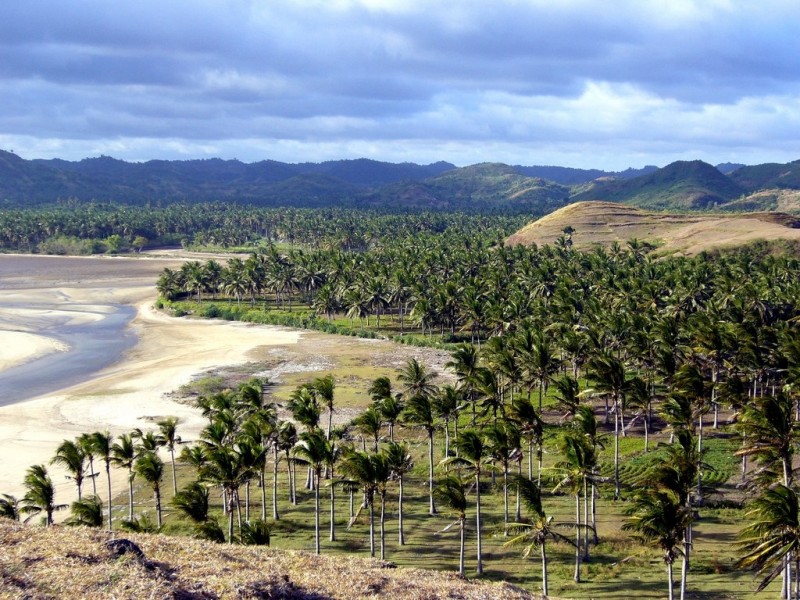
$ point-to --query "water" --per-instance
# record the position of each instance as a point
(92, 347)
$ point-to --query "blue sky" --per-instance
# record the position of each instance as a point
(604, 83)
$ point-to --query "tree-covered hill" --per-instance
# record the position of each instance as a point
(680, 185)
(768, 175)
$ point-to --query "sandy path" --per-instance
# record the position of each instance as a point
(129, 394)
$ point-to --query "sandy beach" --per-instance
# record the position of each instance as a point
(133, 392)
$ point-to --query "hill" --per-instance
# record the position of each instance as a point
(768, 175)
(486, 186)
(60, 562)
(602, 223)
(680, 185)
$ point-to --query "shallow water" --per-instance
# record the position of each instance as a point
(92, 346)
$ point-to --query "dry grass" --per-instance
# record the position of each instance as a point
(602, 223)
(60, 562)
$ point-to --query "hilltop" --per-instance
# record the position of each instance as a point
(683, 185)
(602, 223)
(61, 562)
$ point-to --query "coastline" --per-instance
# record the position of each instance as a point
(132, 392)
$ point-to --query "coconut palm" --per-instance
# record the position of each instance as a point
(123, 455)
(86, 443)
(451, 493)
(150, 467)
(416, 380)
(419, 413)
(473, 456)
(359, 468)
(314, 449)
(9, 507)
(39, 495)
(369, 424)
(71, 456)
(400, 463)
(538, 527)
(87, 512)
(325, 388)
(772, 536)
(102, 442)
(168, 431)
(770, 434)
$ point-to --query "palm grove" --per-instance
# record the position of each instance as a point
(558, 357)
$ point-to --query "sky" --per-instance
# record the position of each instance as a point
(606, 84)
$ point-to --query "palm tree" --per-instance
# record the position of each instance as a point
(168, 430)
(359, 468)
(473, 453)
(773, 535)
(534, 532)
(225, 469)
(770, 434)
(416, 380)
(123, 455)
(150, 467)
(39, 495)
(314, 450)
(451, 492)
(71, 456)
(369, 424)
(659, 518)
(419, 413)
(400, 463)
(86, 443)
(87, 512)
(102, 442)
(9, 507)
(325, 387)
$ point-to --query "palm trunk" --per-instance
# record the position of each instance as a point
(263, 482)
(669, 581)
(157, 494)
(478, 522)
(333, 514)
(544, 570)
(383, 525)
(108, 478)
(432, 507)
(130, 494)
(174, 476)
(275, 485)
(585, 520)
(401, 538)
(616, 450)
(316, 516)
(372, 527)
(577, 576)
(463, 528)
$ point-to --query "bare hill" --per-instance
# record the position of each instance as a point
(602, 223)
(60, 562)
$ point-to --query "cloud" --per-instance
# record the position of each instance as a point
(531, 80)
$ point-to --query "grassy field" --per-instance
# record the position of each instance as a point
(617, 565)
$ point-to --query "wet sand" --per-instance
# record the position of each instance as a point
(134, 390)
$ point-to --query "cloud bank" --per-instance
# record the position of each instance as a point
(576, 82)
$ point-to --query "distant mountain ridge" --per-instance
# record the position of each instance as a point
(684, 185)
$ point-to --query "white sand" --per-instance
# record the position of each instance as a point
(129, 394)
(19, 347)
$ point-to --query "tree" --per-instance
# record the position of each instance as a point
(538, 527)
(419, 413)
(325, 388)
(168, 430)
(71, 456)
(123, 455)
(473, 454)
(451, 493)
(150, 467)
(400, 463)
(773, 534)
(87, 512)
(102, 442)
(658, 518)
(39, 495)
(9, 507)
(314, 450)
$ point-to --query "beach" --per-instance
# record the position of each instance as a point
(133, 391)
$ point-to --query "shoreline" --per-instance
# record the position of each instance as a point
(133, 391)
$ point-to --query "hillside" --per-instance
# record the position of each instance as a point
(602, 223)
(479, 187)
(680, 185)
(64, 562)
(769, 175)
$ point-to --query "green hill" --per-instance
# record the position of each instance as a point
(682, 185)
(768, 176)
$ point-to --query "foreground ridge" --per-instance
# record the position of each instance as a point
(78, 562)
